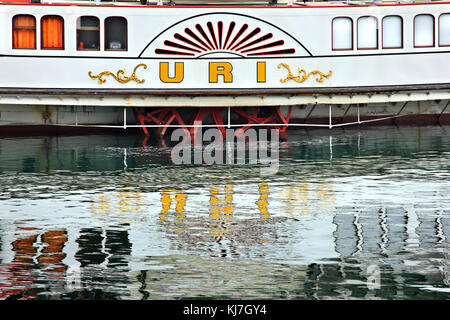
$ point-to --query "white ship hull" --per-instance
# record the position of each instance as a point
(295, 63)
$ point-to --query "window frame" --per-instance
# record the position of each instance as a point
(88, 29)
(63, 30)
(434, 30)
(439, 31)
(376, 29)
(353, 34)
(13, 28)
(402, 32)
(126, 33)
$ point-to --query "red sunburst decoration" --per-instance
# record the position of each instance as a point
(231, 39)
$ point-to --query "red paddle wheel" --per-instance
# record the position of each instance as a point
(161, 119)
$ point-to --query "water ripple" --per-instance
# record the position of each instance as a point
(351, 214)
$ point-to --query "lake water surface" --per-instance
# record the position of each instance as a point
(358, 213)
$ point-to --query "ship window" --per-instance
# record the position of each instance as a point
(367, 33)
(115, 33)
(444, 29)
(392, 32)
(424, 30)
(24, 32)
(342, 33)
(52, 29)
(88, 33)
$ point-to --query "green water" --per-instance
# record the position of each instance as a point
(360, 213)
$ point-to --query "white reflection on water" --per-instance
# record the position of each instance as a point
(100, 217)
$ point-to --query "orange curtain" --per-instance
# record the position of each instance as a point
(24, 32)
(52, 32)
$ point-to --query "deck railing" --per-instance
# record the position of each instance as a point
(233, 2)
(270, 2)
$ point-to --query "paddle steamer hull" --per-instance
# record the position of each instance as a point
(111, 58)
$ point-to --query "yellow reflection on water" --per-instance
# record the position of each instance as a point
(121, 202)
(100, 206)
(326, 194)
(124, 205)
(221, 210)
(262, 202)
(168, 198)
(128, 201)
(299, 198)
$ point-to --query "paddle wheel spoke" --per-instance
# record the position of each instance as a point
(161, 118)
(140, 117)
(284, 120)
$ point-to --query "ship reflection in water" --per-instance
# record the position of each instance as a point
(361, 214)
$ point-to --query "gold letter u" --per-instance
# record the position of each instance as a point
(164, 72)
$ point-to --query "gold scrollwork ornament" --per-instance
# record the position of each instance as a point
(303, 75)
(120, 76)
